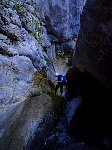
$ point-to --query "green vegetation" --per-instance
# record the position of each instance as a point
(34, 94)
(72, 37)
(39, 31)
(21, 10)
(32, 21)
(31, 3)
(15, 69)
(4, 3)
(60, 53)
(53, 96)
(16, 79)
(48, 60)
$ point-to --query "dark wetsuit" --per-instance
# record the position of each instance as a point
(61, 80)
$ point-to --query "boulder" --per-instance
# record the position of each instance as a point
(93, 52)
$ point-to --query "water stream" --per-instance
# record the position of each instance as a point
(60, 139)
(70, 110)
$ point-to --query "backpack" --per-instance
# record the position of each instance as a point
(63, 79)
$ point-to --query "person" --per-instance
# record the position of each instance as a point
(61, 81)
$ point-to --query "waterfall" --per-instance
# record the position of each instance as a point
(70, 110)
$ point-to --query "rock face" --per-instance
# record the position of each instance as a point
(15, 78)
(31, 33)
(20, 54)
(93, 60)
(93, 54)
(30, 120)
(62, 16)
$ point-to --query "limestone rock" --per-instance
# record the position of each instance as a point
(28, 27)
(15, 78)
(33, 118)
(93, 52)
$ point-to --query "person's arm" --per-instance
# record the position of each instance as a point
(59, 81)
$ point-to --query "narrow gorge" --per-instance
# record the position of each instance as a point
(37, 39)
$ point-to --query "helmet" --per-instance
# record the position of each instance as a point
(56, 74)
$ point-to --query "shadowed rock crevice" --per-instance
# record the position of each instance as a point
(5, 52)
(10, 35)
(92, 121)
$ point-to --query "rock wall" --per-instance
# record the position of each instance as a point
(93, 64)
(30, 33)
(20, 53)
(93, 52)
(30, 122)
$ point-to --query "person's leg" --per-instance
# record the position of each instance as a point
(56, 88)
(61, 88)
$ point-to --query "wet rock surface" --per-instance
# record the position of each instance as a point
(60, 138)
(30, 120)
(61, 141)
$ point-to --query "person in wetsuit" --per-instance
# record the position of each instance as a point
(61, 81)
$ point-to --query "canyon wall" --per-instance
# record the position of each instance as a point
(93, 52)
(92, 76)
(32, 33)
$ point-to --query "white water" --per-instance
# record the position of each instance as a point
(69, 112)
(60, 136)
